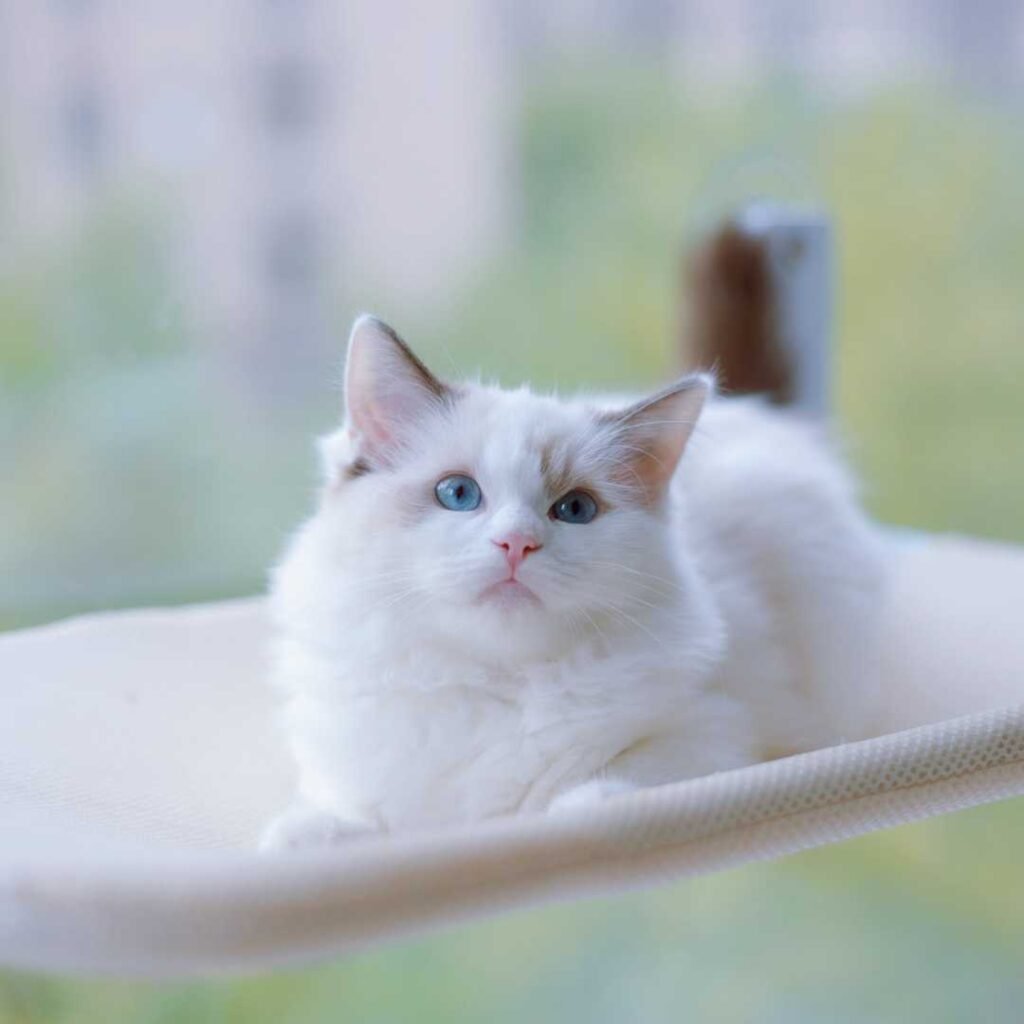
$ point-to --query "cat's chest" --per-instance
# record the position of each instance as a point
(486, 745)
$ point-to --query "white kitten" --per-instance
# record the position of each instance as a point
(507, 601)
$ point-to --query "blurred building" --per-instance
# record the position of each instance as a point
(844, 47)
(841, 47)
(293, 148)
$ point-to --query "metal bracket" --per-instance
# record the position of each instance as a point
(801, 252)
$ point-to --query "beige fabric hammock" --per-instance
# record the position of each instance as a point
(138, 761)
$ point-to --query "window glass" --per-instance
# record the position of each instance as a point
(196, 199)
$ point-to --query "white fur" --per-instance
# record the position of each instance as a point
(730, 620)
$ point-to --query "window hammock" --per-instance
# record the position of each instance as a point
(138, 762)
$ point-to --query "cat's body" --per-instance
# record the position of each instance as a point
(707, 615)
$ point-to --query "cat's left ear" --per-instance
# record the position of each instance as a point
(388, 391)
(651, 436)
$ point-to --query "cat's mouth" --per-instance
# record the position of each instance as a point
(510, 591)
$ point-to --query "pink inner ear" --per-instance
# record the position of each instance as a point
(387, 389)
(652, 436)
(656, 463)
(645, 464)
(380, 418)
(368, 425)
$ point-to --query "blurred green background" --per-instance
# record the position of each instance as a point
(138, 470)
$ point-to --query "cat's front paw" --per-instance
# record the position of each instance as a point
(310, 828)
(589, 794)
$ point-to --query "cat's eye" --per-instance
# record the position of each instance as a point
(574, 507)
(458, 493)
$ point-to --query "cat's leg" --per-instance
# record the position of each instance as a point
(715, 735)
(305, 826)
(589, 794)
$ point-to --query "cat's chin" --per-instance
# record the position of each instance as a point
(510, 623)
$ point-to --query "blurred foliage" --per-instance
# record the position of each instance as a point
(130, 451)
(134, 452)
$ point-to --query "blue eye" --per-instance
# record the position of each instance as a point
(458, 493)
(574, 507)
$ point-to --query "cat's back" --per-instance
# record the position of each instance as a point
(752, 467)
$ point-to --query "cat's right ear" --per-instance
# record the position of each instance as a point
(652, 434)
(388, 391)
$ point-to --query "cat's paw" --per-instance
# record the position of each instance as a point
(589, 794)
(310, 828)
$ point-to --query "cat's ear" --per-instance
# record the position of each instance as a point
(649, 438)
(387, 390)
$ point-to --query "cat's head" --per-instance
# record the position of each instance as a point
(504, 519)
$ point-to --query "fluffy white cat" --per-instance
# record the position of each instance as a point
(512, 602)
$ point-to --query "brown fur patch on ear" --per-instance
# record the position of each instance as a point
(356, 469)
(731, 321)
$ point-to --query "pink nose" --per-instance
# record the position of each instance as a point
(516, 547)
